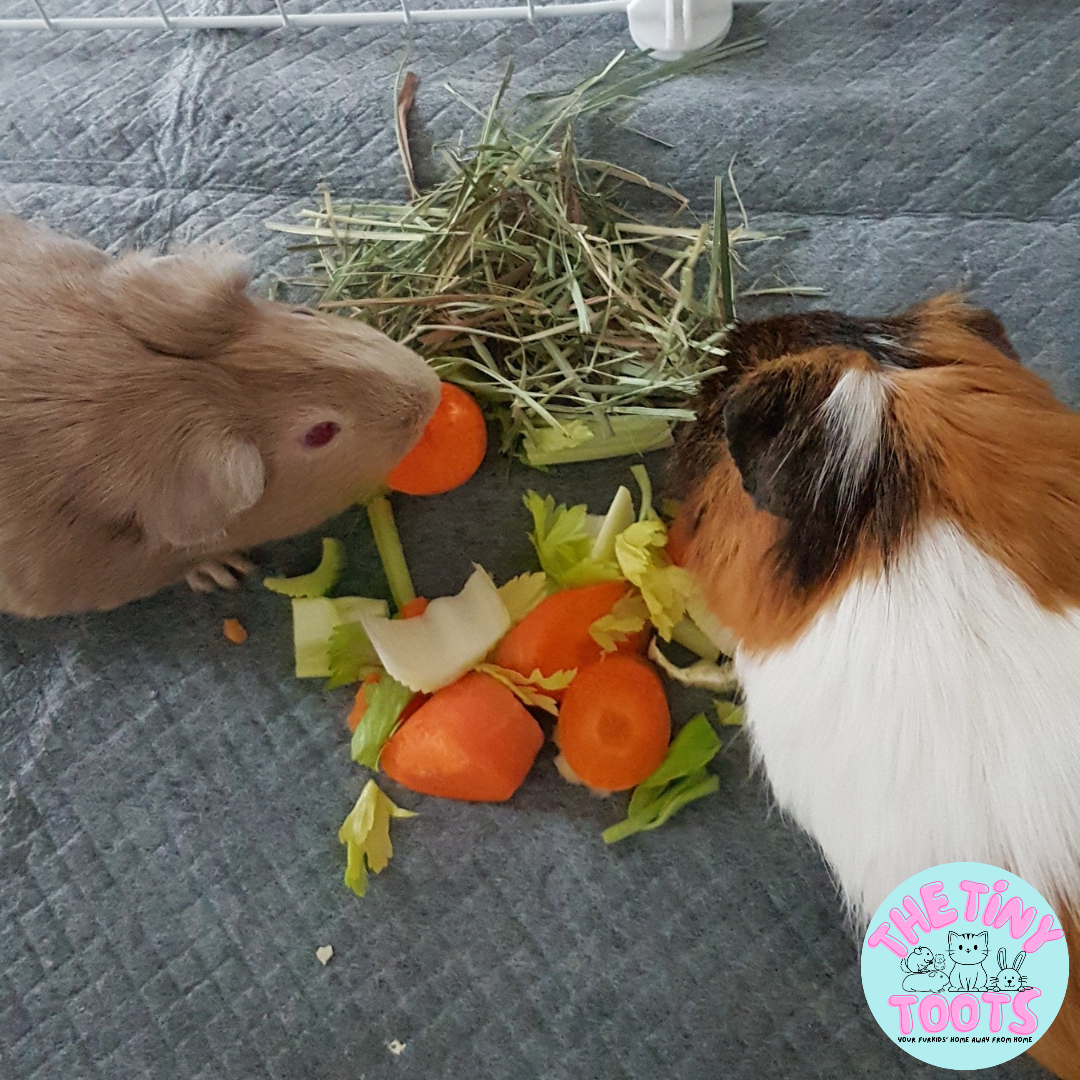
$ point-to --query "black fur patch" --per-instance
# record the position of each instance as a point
(748, 345)
(777, 436)
(780, 441)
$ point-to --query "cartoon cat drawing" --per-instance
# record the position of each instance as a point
(923, 978)
(968, 953)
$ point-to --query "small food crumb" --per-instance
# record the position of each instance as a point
(324, 953)
(234, 631)
(395, 1047)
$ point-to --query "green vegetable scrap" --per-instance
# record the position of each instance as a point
(391, 553)
(386, 700)
(627, 617)
(323, 647)
(729, 713)
(528, 689)
(681, 778)
(522, 593)
(366, 832)
(564, 538)
(320, 581)
(349, 652)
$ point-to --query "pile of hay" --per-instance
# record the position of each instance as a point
(525, 277)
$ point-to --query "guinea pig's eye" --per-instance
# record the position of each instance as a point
(304, 311)
(320, 434)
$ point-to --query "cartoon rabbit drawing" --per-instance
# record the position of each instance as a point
(968, 952)
(1009, 978)
(923, 976)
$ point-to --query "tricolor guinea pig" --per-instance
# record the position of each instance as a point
(155, 419)
(886, 513)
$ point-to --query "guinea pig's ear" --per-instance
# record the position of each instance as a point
(190, 304)
(951, 309)
(206, 484)
(990, 328)
(769, 426)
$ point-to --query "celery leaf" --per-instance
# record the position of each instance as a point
(366, 832)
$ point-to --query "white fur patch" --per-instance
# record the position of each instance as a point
(854, 413)
(929, 715)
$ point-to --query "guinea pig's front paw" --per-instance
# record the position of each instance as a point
(225, 572)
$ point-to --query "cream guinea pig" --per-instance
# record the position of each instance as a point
(156, 419)
(886, 513)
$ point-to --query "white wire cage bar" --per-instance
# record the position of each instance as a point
(665, 26)
(158, 17)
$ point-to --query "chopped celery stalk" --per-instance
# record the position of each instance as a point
(641, 475)
(694, 787)
(680, 779)
(702, 673)
(564, 538)
(620, 515)
(388, 542)
(728, 713)
(704, 619)
(366, 832)
(628, 616)
(320, 581)
(617, 436)
(452, 636)
(314, 620)
(552, 440)
(522, 593)
(689, 635)
(386, 700)
(693, 748)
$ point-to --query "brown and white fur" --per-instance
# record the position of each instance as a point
(886, 513)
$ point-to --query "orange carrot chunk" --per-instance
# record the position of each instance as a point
(472, 740)
(449, 451)
(614, 725)
(233, 630)
(555, 636)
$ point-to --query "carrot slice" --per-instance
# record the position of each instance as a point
(472, 740)
(360, 703)
(555, 636)
(449, 451)
(614, 725)
(234, 631)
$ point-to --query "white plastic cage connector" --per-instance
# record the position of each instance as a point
(672, 28)
(667, 28)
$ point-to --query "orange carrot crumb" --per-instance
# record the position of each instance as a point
(414, 608)
(234, 631)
